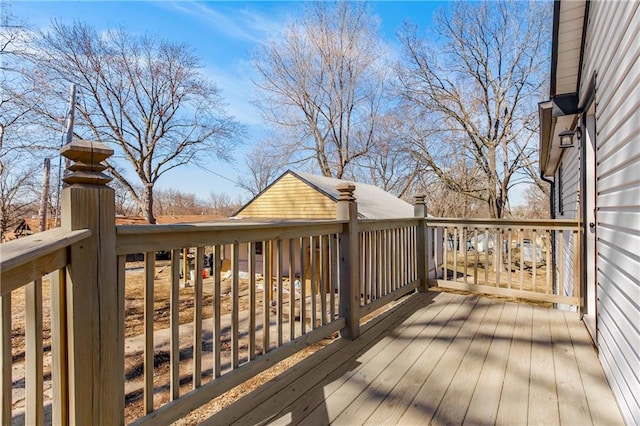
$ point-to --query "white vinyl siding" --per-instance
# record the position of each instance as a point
(568, 197)
(568, 174)
(612, 54)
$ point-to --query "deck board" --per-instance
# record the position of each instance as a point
(444, 359)
(464, 382)
(337, 400)
(572, 401)
(397, 402)
(425, 403)
(483, 407)
(514, 397)
(413, 344)
(543, 400)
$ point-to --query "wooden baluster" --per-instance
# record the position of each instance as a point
(149, 273)
(548, 264)
(251, 270)
(280, 317)
(34, 414)
(509, 259)
(6, 394)
(303, 290)
(174, 324)
(314, 289)
(292, 291)
(266, 297)
(217, 314)
(235, 306)
(59, 354)
(197, 318)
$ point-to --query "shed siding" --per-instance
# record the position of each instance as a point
(612, 54)
(290, 198)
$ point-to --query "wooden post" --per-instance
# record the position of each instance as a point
(349, 252)
(422, 246)
(95, 304)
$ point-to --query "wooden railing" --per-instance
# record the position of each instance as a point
(280, 288)
(24, 264)
(512, 258)
(388, 261)
(150, 322)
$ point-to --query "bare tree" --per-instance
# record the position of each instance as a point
(145, 96)
(535, 203)
(175, 202)
(478, 92)
(390, 165)
(322, 83)
(21, 89)
(223, 204)
(17, 195)
(265, 164)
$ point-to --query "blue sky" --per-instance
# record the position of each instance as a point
(223, 34)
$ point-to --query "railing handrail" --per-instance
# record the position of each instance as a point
(380, 224)
(26, 259)
(504, 223)
(145, 238)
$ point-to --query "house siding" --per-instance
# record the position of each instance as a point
(612, 55)
(290, 198)
(567, 208)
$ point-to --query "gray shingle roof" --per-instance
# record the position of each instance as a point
(373, 202)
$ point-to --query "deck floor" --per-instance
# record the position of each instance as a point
(443, 358)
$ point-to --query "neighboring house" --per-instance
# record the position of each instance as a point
(29, 226)
(595, 91)
(296, 195)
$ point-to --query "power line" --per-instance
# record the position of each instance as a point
(220, 175)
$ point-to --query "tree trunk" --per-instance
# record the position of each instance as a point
(148, 204)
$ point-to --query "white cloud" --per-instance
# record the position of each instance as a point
(242, 24)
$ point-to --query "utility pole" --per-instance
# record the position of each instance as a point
(44, 200)
(67, 138)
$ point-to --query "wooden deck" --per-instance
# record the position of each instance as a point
(444, 359)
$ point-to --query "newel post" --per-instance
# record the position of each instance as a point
(95, 345)
(349, 251)
(422, 243)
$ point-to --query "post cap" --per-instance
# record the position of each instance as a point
(420, 198)
(346, 190)
(87, 167)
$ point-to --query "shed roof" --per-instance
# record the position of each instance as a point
(373, 202)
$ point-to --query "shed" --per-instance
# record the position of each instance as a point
(297, 195)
